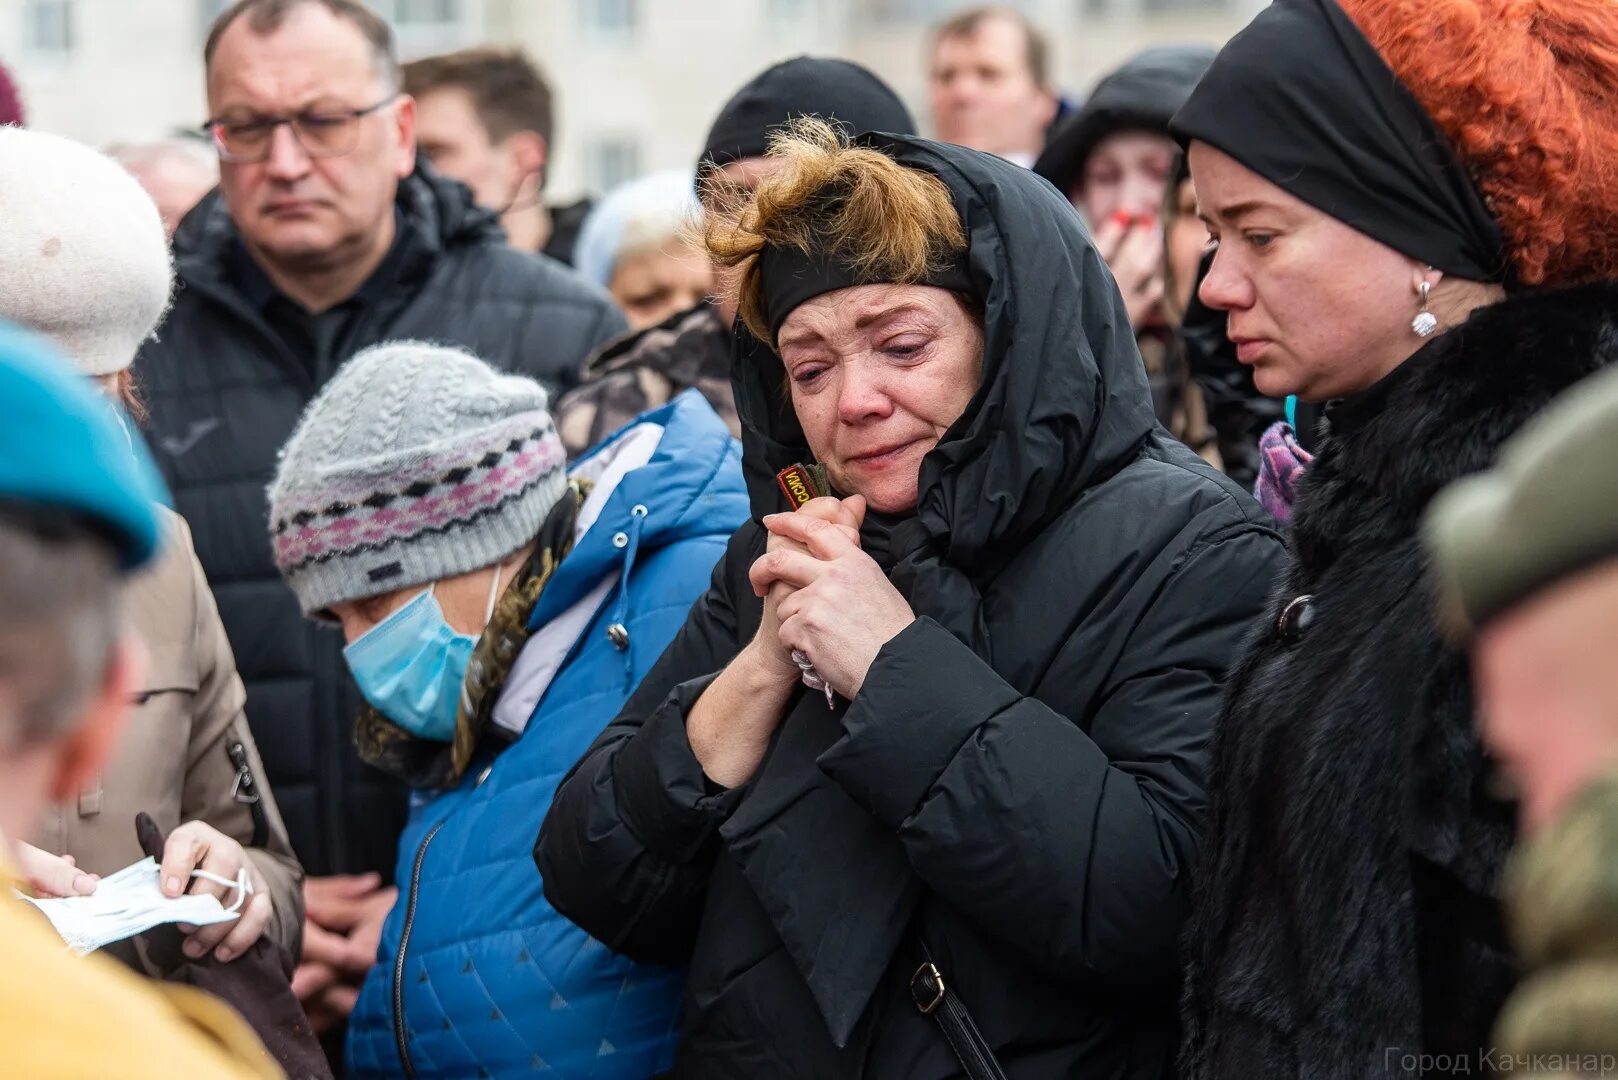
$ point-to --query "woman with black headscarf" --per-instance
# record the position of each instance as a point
(1018, 601)
(1378, 250)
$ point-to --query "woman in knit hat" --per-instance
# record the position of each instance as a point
(1416, 210)
(498, 612)
(84, 262)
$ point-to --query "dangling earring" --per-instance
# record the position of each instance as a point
(1425, 321)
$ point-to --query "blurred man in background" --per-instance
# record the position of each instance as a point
(324, 238)
(990, 83)
(1527, 558)
(175, 172)
(485, 117)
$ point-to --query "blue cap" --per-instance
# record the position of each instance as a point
(62, 447)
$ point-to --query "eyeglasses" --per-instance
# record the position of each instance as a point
(322, 133)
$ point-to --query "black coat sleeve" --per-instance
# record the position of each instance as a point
(626, 849)
(1069, 838)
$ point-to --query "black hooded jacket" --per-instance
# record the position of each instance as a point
(1021, 776)
(1142, 95)
(1348, 918)
(225, 392)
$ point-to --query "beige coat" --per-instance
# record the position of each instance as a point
(177, 758)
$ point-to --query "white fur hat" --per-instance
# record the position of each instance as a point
(83, 257)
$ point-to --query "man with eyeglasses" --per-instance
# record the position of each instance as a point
(325, 236)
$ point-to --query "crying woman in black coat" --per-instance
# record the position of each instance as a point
(1024, 595)
(1379, 251)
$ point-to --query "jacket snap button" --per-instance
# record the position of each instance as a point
(639, 510)
(1296, 618)
(620, 540)
(618, 634)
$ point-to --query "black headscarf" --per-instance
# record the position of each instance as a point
(1304, 100)
(1141, 95)
(836, 90)
(1063, 405)
(789, 277)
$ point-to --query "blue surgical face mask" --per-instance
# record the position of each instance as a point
(411, 665)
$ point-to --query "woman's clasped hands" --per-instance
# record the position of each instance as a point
(823, 595)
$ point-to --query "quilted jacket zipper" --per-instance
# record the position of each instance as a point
(399, 960)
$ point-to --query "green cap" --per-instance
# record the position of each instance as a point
(1547, 510)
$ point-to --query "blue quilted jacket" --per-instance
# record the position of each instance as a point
(477, 975)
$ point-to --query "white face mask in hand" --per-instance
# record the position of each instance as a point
(131, 902)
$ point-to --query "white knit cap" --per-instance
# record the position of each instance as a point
(83, 257)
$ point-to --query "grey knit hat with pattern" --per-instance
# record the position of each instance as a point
(416, 463)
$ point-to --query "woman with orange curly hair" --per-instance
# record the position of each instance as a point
(1416, 210)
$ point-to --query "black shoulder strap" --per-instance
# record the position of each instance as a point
(933, 997)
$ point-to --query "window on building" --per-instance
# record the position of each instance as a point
(1155, 7)
(610, 161)
(786, 12)
(423, 27)
(928, 12)
(1151, 7)
(50, 27)
(417, 21)
(610, 18)
(207, 12)
(413, 13)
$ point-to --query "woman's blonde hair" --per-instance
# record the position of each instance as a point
(885, 221)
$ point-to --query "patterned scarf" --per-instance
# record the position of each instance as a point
(426, 763)
(1282, 461)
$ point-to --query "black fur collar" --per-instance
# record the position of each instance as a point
(1446, 411)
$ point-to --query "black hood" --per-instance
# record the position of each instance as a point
(1064, 402)
(1142, 95)
(438, 213)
